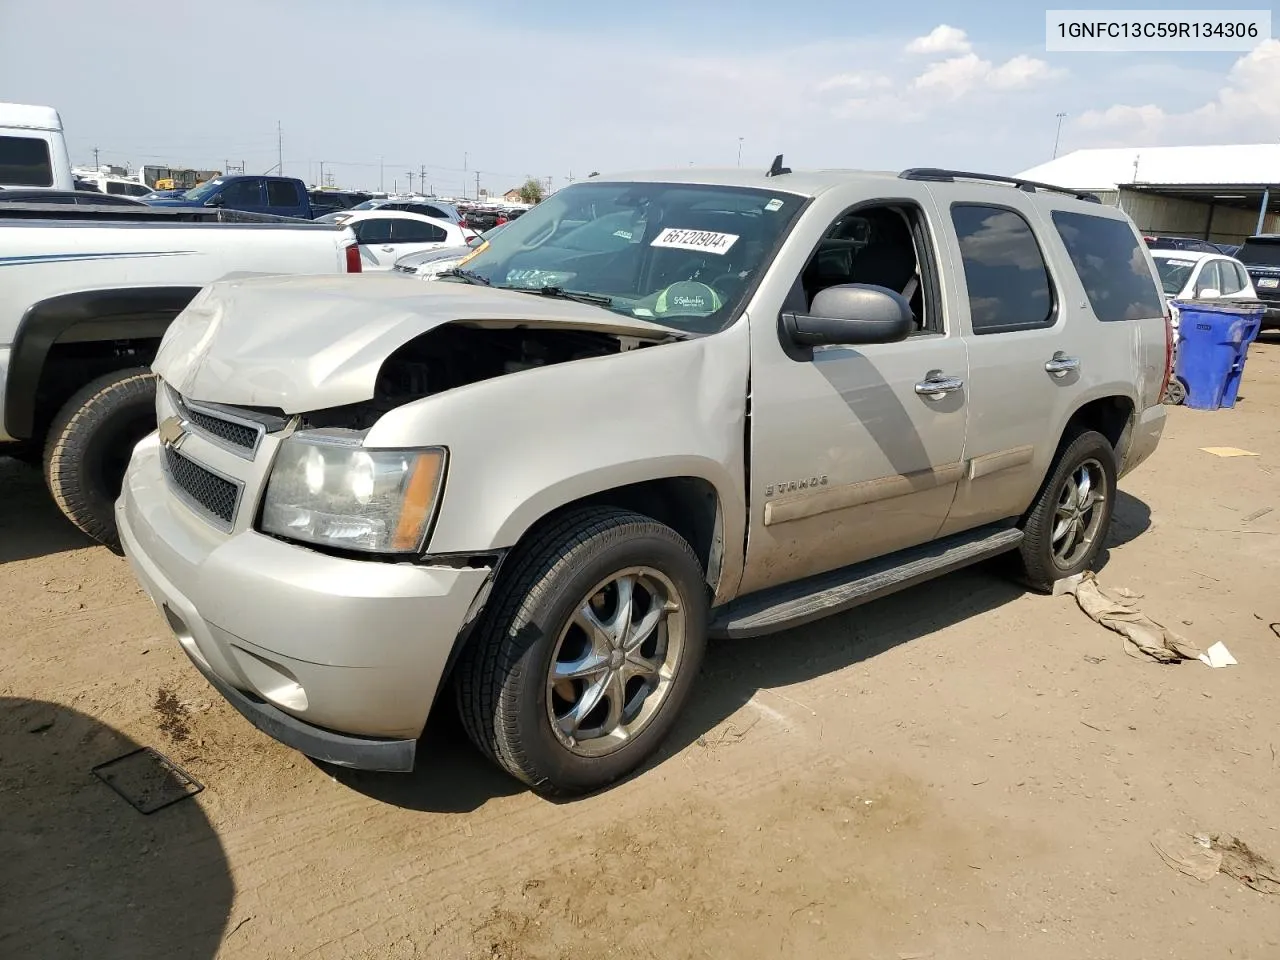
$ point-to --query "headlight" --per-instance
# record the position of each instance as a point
(339, 494)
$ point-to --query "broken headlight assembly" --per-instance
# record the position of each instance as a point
(326, 489)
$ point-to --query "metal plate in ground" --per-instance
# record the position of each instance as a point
(148, 780)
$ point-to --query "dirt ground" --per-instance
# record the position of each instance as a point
(963, 770)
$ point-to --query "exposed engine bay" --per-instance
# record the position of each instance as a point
(458, 354)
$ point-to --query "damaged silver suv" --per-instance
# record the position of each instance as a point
(655, 409)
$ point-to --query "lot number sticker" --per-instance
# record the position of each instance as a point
(702, 240)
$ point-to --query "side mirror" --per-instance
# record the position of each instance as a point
(1208, 293)
(852, 314)
(214, 201)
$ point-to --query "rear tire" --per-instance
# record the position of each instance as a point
(89, 446)
(1063, 533)
(559, 610)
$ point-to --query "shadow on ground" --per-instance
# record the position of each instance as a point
(30, 523)
(84, 874)
(450, 776)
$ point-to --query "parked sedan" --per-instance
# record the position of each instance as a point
(385, 237)
(1185, 275)
(429, 264)
(435, 209)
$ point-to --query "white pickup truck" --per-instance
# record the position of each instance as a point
(83, 305)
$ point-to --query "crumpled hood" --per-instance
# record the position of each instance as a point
(309, 343)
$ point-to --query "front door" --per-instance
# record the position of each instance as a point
(855, 451)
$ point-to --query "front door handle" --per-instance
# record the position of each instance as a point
(388, 249)
(935, 388)
(1060, 366)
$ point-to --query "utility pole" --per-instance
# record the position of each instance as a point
(1057, 136)
(740, 151)
(380, 189)
(422, 177)
(95, 159)
(322, 173)
(410, 176)
(279, 149)
(477, 184)
(570, 177)
(464, 175)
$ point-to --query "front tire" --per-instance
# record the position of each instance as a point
(89, 446)
(1067, 525)
(587, 651)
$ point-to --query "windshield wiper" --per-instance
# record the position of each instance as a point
(562, 294)
(468, 275)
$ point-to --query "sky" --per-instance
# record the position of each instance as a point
(557, 89)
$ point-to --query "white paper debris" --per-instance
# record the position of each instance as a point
(1218, 656)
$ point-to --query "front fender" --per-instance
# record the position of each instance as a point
(525, 444)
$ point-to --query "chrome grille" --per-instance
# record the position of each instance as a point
(205, 491)
(236, 434)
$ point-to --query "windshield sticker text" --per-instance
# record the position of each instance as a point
(701, 240)
(773, 205)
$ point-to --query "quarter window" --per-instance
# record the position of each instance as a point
(24, 162)
(1111, 265)
(1004, 270)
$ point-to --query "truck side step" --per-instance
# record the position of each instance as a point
(793, 604)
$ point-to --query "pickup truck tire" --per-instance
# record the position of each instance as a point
(558, 633)
(89, 446)
(1067, 525)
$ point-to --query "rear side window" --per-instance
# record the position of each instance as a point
(282, 193)
(24, 162)
(415, 231)
(1262, 253)
(1005, 272)
(1228, 277)
(1111, 265)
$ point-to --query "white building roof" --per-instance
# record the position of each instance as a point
(1240, 164)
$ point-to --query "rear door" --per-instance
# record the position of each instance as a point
(1011, 310)
(1063, 309)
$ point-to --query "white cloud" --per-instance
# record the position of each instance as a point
(1244, 108)
(941, 39)
(855, 82)
(958, 76)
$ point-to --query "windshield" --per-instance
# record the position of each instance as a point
(1174, 274)
(683, 255)
(1264, 253)
(204, 191)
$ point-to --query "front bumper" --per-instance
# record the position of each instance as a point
(340, 659)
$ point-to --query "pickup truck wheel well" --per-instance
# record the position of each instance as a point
(65, 342)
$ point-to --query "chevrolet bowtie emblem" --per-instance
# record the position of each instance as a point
(170, 431)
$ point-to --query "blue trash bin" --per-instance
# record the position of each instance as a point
(1213, 342)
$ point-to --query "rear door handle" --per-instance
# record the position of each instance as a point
(1060, 366)
(935, 388)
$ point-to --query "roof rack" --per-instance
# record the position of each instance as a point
(1030, 186)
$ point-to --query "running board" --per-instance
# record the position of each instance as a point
(794, 604)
